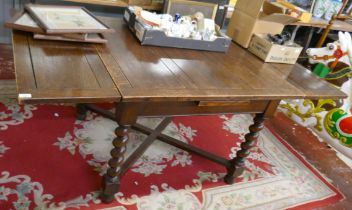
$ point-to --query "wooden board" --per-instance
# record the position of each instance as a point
(67, 72)
(338, 25)
(161, 74)
(96, 72)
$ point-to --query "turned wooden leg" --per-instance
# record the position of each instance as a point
(81, 113)
(236, 166)
(111, 180)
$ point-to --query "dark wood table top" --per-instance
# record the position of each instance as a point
(124, 70)
(60, 72)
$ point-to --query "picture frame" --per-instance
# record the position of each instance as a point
(185, 7)
(66, 19)
(91, 38)
(24, 22)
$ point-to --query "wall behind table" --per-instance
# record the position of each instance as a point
(7, 8)
(5, 11)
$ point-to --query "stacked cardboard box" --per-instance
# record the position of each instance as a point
(258, 16)
(270, 52)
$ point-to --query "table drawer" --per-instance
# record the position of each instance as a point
(225, 103)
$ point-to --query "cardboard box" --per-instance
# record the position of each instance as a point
(252, 9)
(248, 19)
(262, 47)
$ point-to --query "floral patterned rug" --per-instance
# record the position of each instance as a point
(50, 160)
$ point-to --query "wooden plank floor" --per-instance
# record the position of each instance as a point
(7, 75)
(320, 155)
(8, 89)
(6, 63)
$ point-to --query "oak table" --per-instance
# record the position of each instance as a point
(154, 81)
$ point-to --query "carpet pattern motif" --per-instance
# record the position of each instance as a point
(50, 160)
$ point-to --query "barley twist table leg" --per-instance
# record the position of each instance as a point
(81, 113)
(111, 180)
(237, 163)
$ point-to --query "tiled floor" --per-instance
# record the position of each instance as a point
(318, 154)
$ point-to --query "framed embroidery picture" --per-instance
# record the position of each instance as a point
(66, 19)
(91, 38)
(24, 22)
